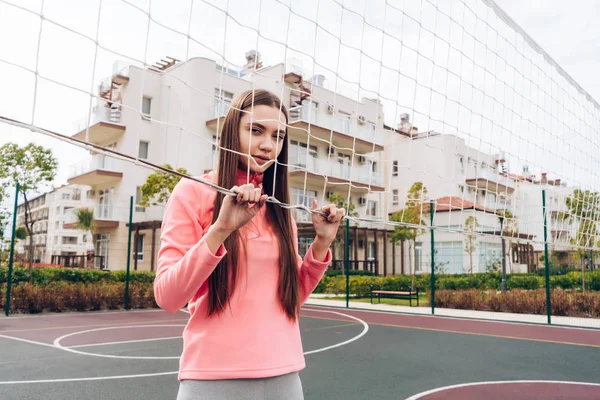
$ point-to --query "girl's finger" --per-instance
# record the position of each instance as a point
(257, 194)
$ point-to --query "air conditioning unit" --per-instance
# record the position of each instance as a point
(362, 201)
(330, 108)
(361, 119)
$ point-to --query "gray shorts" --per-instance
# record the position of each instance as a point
(284, 387)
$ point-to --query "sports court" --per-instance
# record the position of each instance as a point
(350, 354)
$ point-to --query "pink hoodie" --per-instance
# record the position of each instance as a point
(252, 339)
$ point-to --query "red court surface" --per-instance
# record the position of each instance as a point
(533, 390)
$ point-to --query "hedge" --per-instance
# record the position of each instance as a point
(360, 279)
(572, 304)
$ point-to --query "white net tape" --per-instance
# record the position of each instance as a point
(393, 104)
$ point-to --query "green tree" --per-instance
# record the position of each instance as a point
(583, 207)
(411, 215)
(21, 233)
(34, 167)
(84, 218)
(510, 229)
(159, 186)
(471, 225)
(341, 201)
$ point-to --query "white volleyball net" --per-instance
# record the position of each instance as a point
(394, 106)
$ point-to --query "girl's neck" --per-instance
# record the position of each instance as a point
(244, 176)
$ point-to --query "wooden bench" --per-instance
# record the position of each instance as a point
(399, 294)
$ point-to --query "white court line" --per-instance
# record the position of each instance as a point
(364, 332)
(87, 314)
(461, 385)
(97, 378)
(85, 353)
(454, 317)
(92, 378)
(28, 341)
(123, 342)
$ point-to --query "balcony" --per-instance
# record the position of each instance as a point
(104, 127)
(105, 216)
(99, 171)
(342, 132)
(317, 169)
(492, 181)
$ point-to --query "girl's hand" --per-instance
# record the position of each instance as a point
(326, 228)
(237, 211)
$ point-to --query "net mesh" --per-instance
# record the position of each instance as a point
(411, 114)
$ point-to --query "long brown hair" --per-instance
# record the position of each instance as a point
(222, 281)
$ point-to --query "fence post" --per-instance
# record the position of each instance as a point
(128, 253)
(12, 251)
(503, 283)
(546, 261)
(432, 283)
(347, 262)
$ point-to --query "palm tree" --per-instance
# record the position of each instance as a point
(85, 222)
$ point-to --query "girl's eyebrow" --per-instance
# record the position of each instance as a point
(261, 126)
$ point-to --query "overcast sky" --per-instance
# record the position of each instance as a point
(419, 57)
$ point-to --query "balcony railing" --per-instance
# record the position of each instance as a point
(100, 113)
(102, 212)
(346, 125)
(493, 177)
(98, 162)
(332, 168)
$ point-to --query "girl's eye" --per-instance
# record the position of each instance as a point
(255, 130)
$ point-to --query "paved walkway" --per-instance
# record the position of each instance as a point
(340, 301)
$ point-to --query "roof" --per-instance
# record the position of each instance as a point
(452, 203)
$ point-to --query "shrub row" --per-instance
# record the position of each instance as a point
(572, 304)
(76, 296)
(42, 276)
(360, 285)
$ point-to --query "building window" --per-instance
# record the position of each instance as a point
(372, 208)
(395, 197)
(138, 199)
(143, 150)
(222, 102)
(66, 196)
(146, 108)
(139, 250)
(395, 168)
(298, 155)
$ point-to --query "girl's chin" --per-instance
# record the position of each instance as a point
(257, 169)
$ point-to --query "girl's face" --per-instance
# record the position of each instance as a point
(264, 140)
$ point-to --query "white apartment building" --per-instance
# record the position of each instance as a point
(38, 208)
(560, 228)
(49, 213)
(66, 244)
(463, 182)
(189, 100)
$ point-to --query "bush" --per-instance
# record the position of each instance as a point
(359, 272)
(64, 296)
(43, 276)
(523, 282)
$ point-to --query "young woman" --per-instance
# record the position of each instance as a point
(234, 261)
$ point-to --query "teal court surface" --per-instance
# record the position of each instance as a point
(350, 354)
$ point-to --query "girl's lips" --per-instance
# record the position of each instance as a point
(263, 159)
